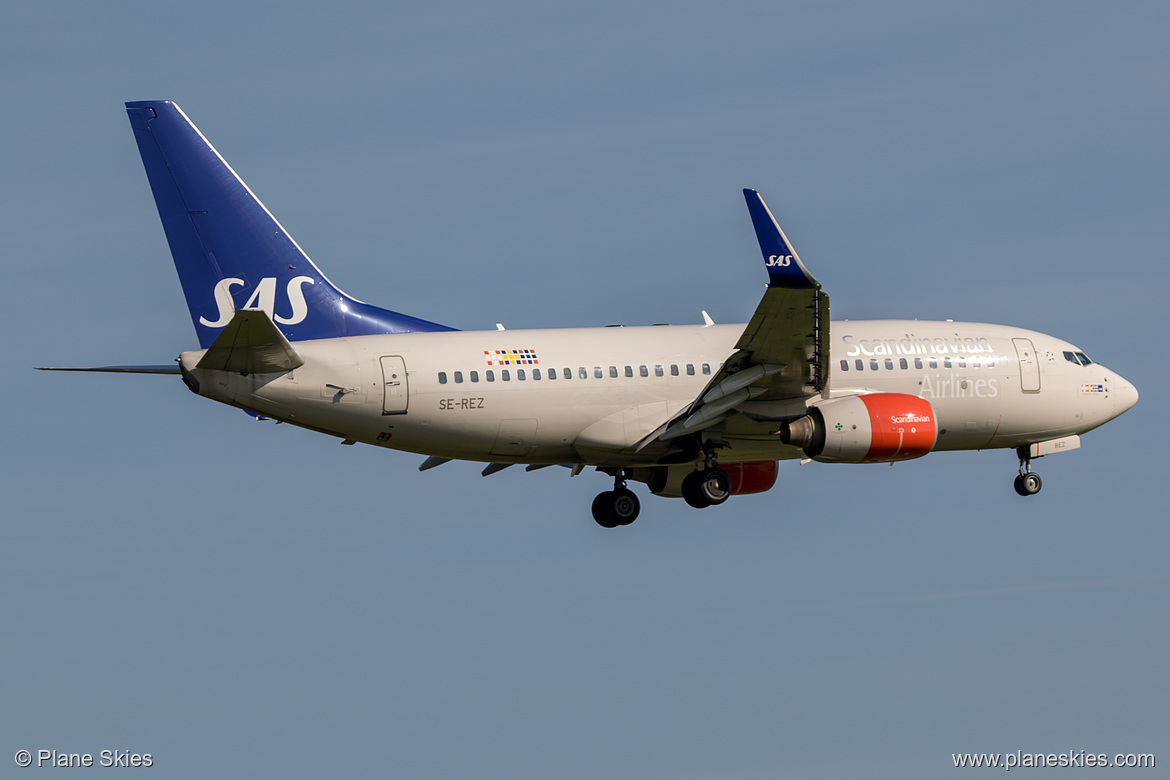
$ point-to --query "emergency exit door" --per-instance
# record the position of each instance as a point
(394, 383)
(1029, 365)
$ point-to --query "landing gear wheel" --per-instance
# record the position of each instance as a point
(623, 507)
(702, 489)
(1028, 484)
(716, 486)
(599, 510)
(691, 491)
(615, 507)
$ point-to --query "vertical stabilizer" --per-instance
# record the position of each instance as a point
(230, 252)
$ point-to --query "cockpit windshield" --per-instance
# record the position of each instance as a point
(1080, 358)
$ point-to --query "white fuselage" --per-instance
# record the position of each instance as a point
(590, 395)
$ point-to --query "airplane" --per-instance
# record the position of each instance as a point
(701, 412)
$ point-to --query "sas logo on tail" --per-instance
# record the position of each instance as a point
(778, 261)
(263, 297)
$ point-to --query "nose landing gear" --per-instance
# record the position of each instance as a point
(616, 507)
(1028, 483)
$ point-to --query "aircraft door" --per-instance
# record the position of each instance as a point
(394, 384)
(1029, 365)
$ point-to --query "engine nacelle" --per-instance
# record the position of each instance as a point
(754, 477)
(874, 428)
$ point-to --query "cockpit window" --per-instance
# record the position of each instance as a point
(1079, 358)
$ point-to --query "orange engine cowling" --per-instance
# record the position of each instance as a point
(754, 477)
(874, 428)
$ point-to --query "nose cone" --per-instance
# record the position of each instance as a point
(1125, 395)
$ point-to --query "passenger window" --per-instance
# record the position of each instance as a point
(674, 369)
(642, 371)
(597, 372)
(690, 369)
(474, 376)
(629, 371)
(991, 362)
(568, 373)
(613, 372)
(458, 377)
(706, 368)
(658, 371)
(918, 363)
(844, 365)
(552, 373)
(442, 377)
(889, 364)
(491, 375)
(946, 362)
(535, 373)
(962, 362)
(974, 364)
(934, 362)
(520, 374)
(873, 364)
(859, 364)
(902, 363)
(506, 375)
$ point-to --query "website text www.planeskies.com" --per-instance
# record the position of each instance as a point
(1069, 758)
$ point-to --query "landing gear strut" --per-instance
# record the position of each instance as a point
(709, 487)
(618, 506)
(1028, 482)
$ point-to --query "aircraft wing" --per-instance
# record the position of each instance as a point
(783, 352)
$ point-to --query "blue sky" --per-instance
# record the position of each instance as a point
(242, 599)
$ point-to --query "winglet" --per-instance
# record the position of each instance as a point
(783, 264)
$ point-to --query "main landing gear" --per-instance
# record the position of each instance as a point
(618, 506)
(709, 487)
(1028, 482)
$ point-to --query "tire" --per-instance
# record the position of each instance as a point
(600, 510)
(692, 491)
(1018, 484)
(1028, 484)
(715, 486)
(622, 507)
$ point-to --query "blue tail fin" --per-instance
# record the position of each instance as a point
(230, 252)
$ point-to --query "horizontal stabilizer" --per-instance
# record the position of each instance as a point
(171, 368)
(250, 344)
